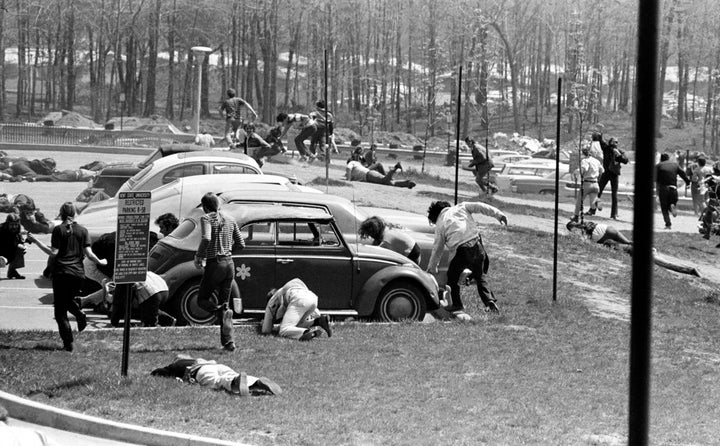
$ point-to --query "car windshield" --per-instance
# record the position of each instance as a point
(138, 176)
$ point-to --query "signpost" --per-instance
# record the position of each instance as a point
(131, 253)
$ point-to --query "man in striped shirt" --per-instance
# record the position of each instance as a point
(219, 233)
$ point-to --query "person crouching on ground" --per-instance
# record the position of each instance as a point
(12, 246)
(456, 229)
(219, 233)
(70, 243)
(296, 306)
(392, 239)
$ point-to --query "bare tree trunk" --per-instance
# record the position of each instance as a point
(153, 37)
(3, 95)
(70, 55)
(170, 98)
(664, 56)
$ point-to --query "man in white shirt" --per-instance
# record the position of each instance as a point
(590, 169)
(204, 139)
(456, 229)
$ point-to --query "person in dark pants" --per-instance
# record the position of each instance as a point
(12, 246)
(456, 229)
(306, 126)
(613, 159)
(219, 233)
(70, 243)
(666, 173)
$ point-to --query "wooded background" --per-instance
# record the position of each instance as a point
(395, 62)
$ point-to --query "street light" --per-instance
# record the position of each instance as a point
(199, 53)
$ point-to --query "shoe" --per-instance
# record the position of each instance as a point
(590, 212)
(706, 236)
(614, 217)
(82, 322)
(68, 347)
(226, 328)
(668, 226)
(230, 346)
(598, 204)
(267, 385)
(13, 274)
(324, 323)
(492, 307)
(310, 333)
(398, 166)
(411, 184)
(575, 219)
(239, 385)
(673, 210)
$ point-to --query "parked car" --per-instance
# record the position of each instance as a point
(538, 185)
(538, 168)
(170, 168)
(112, 177)
(183, 195)
(284, 242)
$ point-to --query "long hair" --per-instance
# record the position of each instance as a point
(67, 211)
(434, 210)
(373, 227)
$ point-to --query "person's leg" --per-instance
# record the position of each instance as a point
(664, 196)
(15, 264)
(614, 182)
(592, 193)
(415, 254)
(65, 288)
(378, 167)
(229, 131)
(226, 270)
(304, 134)
(475, 260)
(206, 294)
(293, 323)
(673, 200)
(602, 182)
(579, 200)
(455, 268)
(149, 310)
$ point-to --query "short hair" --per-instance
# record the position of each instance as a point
(664, 157)
(210, 202)
(434, 210)
(67, 210)
(320, 104)
(169, 220)
(12, 218)
(701, 161)
(281, 117)
(231, 92)
(373, 227)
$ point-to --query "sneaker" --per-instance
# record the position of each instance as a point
(227, 325)
(590, 212)
(411, 184)
(68, 346)
(598, 204)
(230, 346)
(266, 385)
(13, 274)
(398, 166)
(492, 308)
(324, 323)
(615, 217)
(673, 210)
(310, 334)
(82, 322)
(239, 385)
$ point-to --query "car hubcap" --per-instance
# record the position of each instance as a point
(400, 305)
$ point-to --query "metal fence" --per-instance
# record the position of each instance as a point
(45, 134)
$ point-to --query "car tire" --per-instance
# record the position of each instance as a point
(401, 300)
(185, 306)
(547, 192)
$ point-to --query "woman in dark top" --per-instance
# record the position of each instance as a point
(12, 246)
(70, 243)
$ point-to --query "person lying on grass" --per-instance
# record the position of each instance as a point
(217, 376)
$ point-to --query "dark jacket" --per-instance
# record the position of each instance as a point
(9, 242)
(666, 173)
(613, 158)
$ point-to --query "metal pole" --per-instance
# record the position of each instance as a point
(557, 188)
(199, 94)
(124, 290)
(327, 128)
(457, 134)
(643, 218)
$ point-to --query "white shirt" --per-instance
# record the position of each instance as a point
(455, 226)
(205, 140)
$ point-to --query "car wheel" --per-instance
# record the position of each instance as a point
(547, 192)
(187, 311)
(400, 301)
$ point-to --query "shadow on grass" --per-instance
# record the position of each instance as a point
(57, 389)
(41, 347)
(320, 181)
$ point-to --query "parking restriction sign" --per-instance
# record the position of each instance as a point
(133, 237)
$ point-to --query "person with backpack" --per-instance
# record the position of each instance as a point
(613, 159)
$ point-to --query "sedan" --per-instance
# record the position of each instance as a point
(285, 242)
(170, 168)
(182, 196)
(538, 185)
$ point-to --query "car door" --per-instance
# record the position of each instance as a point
(316, 254)
(255, 264)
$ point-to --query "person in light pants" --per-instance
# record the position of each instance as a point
(296, 307)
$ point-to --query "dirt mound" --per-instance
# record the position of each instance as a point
(65, 118)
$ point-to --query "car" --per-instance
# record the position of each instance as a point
(111, 178)
(181, 196)
(538, 185)
(169, 168)
(285, 242)
(510, 172)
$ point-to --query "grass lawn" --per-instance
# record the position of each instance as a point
(541, 373)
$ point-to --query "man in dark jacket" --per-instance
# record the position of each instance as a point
(666, 173)
(613, 158)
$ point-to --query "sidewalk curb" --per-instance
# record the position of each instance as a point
(38, 413)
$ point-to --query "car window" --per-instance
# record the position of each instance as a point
(259, 234)
(151, 158)
(232, 168)
(139, 176)
(182, 171)
(521, 171)
(306, 234)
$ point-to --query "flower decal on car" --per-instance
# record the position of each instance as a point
(243, 271)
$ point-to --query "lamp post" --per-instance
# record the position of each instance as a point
(199, 53)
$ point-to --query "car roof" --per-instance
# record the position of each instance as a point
(171, 149)
(205, 155)
(228, 180)
(244, 214)
(291, 197)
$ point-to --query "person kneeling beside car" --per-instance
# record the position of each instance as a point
(296, 306)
